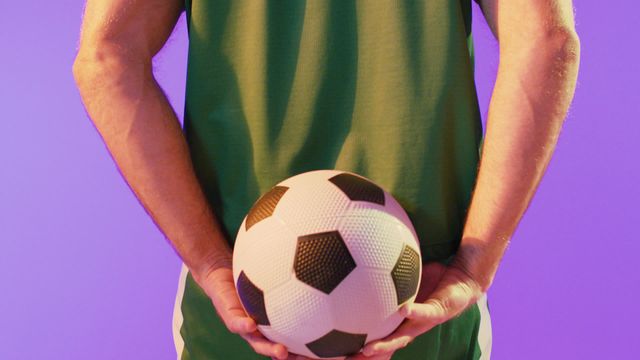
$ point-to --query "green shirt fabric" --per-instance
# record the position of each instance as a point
(381, 88)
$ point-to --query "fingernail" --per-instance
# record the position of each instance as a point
(368, 351)
(282, 354)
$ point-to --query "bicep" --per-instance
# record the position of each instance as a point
(133, 28)
(514, 21)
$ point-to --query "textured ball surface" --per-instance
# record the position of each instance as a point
(324, 260)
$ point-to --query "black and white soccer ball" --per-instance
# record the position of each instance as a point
(324, 260)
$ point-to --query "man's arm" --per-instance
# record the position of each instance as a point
(539, 57)
(113, 72)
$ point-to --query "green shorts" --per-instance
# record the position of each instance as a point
(199, 334)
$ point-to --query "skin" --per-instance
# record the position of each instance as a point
(539, 60)
(113, 72)
(539, 57)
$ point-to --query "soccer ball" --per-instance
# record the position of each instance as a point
(324, 260)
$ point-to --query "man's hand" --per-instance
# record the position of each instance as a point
(441, 296)
(219, 287)
(445, 292)
(296, 357)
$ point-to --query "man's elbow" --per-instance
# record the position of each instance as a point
(99, 63)
(81, 70)
(92, 64)
(563, 42)
(558, 45)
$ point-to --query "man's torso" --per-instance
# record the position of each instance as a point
(384, 89)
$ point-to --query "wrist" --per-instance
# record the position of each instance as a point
(209, 264)
(479, 261)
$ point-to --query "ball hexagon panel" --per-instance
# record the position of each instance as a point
(273, 334)
(337, 343)
(373, 237)
(406, 274)
(311, 199)
(358, 188)
(393, 207)
(252, 299)
(266, 256)
(264, 207)
(386, 327)
(315, 225)
(322, 260)
(308, 322)
(258, 231)
(363, 300)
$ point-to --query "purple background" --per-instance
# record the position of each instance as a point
(86, 275)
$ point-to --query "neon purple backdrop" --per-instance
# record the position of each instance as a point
(86, 275)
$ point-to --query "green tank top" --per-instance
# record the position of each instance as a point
(384, 89)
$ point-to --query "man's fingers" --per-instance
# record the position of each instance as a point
(235, 319)
(431, 311)
(263, 346)
(358, 356)
(361, 356)
(400, 338)
(387, 345)
(420, 319)
(290, 357)
(226, 302)
(298, 357)
(381, 357)
(454, 294)
(242, 324)
(221, 290)
(237, 323)
(441, 301)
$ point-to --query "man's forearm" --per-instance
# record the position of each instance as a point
(533, 90)
(143, 135)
